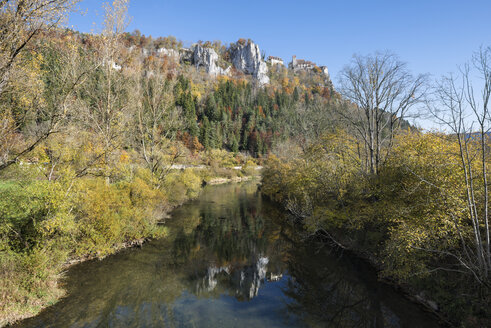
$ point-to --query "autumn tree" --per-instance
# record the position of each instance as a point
(106, 93)
(157, 116)
(21, 21)
(307, 122)
(464, 111)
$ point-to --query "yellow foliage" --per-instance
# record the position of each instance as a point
(123, 158)
(182, 185)
(197, 90)
(416, 202)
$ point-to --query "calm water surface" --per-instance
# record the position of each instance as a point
(230, 260)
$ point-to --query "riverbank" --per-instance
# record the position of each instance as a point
(141, 241)
(95, 220)
(218, 181)
(415, 296)
(401, 225)
(420, 292)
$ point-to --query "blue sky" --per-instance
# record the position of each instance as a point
(433, 36)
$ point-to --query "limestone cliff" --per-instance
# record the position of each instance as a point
(208, 58)
(246, 57)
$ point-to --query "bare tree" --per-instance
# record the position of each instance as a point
(157, 116)
(465, 112)
(35, 120)
(107, 90)
(383, 91)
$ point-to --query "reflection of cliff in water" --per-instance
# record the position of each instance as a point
(245, 280)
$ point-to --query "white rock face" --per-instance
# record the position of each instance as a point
(247, 58)
(186, 55)
(168, 52)
(325, 70)
(208, 58)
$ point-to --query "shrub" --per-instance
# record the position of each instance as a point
(182, 185)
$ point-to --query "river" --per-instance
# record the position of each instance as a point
(230, 259)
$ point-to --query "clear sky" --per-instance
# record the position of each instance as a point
(433, 36)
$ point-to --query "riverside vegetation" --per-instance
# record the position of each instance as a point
(414, 204)
(93, 127)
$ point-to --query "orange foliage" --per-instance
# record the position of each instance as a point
(261, 112)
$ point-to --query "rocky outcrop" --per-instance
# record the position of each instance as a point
(208, 59)
(325, 70)
(246, 57)
(186, 55)
(168, 52)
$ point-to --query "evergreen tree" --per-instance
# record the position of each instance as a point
(235, 145)
(296, 94)
(211, 110)
(205, 133)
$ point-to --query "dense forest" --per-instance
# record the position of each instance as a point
(93, 126)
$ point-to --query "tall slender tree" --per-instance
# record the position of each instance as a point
(465, 112)
(383, 92)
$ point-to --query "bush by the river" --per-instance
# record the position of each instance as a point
(46, 223)
(410, 220)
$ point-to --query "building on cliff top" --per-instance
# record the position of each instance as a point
(272, 60)
(306, 65)
(301, 64)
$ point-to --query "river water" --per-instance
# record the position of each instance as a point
(230, 260)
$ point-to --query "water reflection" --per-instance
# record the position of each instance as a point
(245, 281)
(334, 290)
(229, 261)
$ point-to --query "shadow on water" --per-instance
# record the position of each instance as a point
(229, 261)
